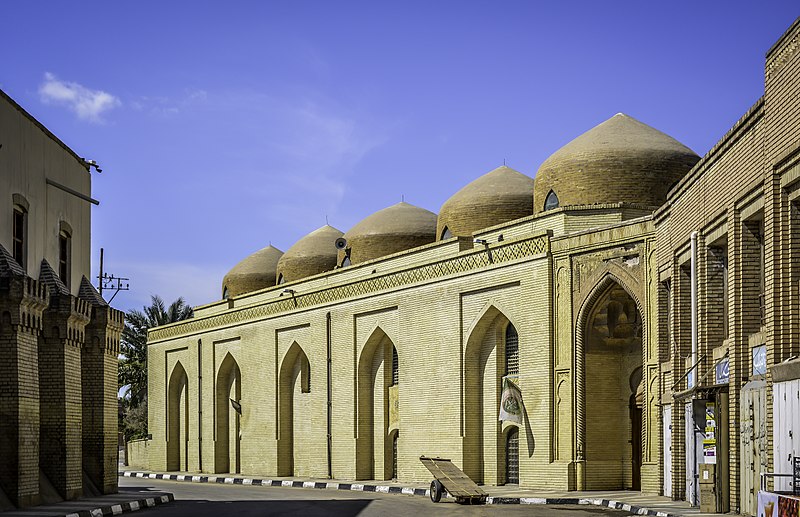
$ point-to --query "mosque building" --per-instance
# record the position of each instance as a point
(626, 299)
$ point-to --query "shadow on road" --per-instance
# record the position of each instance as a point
(192, 508)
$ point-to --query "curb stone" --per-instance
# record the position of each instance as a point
(615, 505)
(129, 506)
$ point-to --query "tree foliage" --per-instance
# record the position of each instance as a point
(134, 421)
(133, 345)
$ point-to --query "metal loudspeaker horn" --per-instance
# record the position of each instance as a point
(340, 243)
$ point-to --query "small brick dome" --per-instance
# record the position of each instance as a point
(496, 197)
(255, 272)
(313, 254)
(620, 160)
(391, 230)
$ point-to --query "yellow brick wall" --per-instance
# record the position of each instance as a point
(449, 334)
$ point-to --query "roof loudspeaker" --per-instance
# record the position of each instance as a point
(340, 243)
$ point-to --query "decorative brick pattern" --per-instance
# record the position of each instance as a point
(510, 252)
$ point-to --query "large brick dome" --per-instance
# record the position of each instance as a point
(313, 254)
(496, 197)
(255, 272)
(620, 160)
(391, 230)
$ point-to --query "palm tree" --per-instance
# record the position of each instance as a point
(133, 360)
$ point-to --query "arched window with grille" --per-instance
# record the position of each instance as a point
(394, 454)
(512, 456)
(512, 350)
(395, 368)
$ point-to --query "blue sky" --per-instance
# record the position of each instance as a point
(222, 127)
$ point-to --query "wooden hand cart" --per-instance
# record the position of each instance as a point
(449, 478)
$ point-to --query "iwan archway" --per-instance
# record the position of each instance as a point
(227, 445)
(378, 425)
(294, 412)
(178, 419)
(491, 451)
(610, 390)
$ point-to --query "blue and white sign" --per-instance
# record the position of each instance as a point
(722, 373)
(759, 360)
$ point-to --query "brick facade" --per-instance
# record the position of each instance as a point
(59, 340)
(599, 294)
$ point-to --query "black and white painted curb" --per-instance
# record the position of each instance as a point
(130, 506)
(290, 483)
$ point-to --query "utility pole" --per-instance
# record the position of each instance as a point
(106, 281)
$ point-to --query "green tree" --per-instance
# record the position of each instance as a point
(133, 354)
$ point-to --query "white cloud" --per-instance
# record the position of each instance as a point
(163, 106)
(87, 104)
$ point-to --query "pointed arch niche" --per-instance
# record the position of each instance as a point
(377, 391)
(294, 411)
(227, 444)
(178, 419)
(609, 340)
(485, 364)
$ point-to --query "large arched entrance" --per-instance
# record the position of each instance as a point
(294, 413)
(227, 447)
(378, 377)
(178, 419)
(610, 350)
(492, 352)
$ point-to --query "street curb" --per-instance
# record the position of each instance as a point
(129, 506)
(357, 487)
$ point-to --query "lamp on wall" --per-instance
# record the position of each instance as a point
(93, 163)
(287, 291)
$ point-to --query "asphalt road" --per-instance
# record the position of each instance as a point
(205, 499)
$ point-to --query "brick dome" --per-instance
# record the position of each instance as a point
(391, 230)
(496, 197)
(620, 160)
(255, 272)
(313, 254)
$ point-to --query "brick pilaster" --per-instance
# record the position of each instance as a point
(99, 361)
(60, 404)
(22, 301)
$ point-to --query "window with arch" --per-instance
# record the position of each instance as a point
(512, 350)
(551, 201)
(346, 261)
(446, 234)
(225, 293)
(64, 256)
(394, 454)
(281, 279)
(20, 234)
(512, 456)
(395, 368)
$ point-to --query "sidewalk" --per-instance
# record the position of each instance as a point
(634, 502)
(127, 500)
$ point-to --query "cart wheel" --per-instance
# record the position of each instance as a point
(436, 491)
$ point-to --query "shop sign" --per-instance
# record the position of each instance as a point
(771, 504)
(710, 440)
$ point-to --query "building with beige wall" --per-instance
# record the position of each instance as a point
(353, 362)
(354, 353)
(60, 340)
